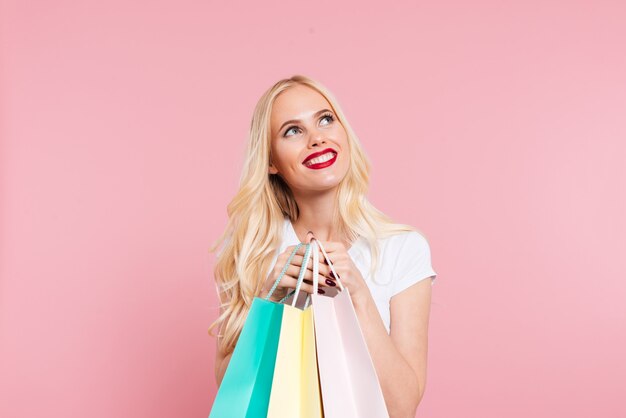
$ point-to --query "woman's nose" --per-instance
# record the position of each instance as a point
(316, 137)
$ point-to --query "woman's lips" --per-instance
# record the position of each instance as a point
(322, 165)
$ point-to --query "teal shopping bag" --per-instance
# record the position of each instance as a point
(247, 384)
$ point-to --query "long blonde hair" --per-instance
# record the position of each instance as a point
(256, 215)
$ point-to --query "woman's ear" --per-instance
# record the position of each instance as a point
(272, 168)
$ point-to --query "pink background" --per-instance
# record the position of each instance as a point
(499, 130)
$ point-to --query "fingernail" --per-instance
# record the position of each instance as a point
(330, 282)
(320, 291)
(333, 274)
(325, 261)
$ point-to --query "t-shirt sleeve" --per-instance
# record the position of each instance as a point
(413, 263)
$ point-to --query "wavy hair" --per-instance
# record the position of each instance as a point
(257, 212)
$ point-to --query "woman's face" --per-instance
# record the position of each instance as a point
(303, 125)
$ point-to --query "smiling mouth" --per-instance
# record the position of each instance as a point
(322, 161)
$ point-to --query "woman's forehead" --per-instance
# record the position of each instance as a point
(298, 102)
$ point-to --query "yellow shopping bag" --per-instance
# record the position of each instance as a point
(295, 387)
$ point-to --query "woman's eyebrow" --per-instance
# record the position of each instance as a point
(319, 112)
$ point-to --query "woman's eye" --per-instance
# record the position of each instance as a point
(326, 116)
(289, 130)
(329, 117)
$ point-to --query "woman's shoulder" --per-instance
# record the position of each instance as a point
(407, 241)
(400, 248)
(406, 255)
(412, 259)
(398, 240)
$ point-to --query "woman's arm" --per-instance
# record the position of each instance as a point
(399, 357)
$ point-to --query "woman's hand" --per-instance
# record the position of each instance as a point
(348, 272)
(290, 278)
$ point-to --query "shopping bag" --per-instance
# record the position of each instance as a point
(295, 387)
(246, 386)
(349, 383)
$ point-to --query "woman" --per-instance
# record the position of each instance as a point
(306, 174)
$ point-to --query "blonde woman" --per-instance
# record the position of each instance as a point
(306, 173)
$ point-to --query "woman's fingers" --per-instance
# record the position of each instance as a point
(299, 255)
(291, 282)
(325, 278)
(324, 269)
(322, 279)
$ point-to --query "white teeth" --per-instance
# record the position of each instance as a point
(321, 158)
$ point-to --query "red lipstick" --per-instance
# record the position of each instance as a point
(317, 154)
(322, 164)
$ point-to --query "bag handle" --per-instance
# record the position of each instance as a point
(307, 257)
(316, 261)
(315, 243)
(330, 264)
(311, 247)
(303, 269)
(282, 273)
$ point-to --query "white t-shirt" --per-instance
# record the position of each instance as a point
(404, 259)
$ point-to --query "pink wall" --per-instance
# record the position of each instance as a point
(499, 130)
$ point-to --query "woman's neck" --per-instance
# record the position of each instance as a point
(317, 213)
(320, 231)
